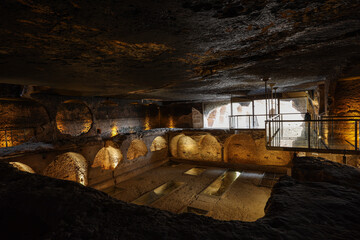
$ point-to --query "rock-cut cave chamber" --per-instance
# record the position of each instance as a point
(184, 114)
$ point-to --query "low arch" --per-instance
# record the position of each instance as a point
(240, 148)
(158, 144)
(108, 158)
(68, 166)
(210, 148)
(187, 148)
(173, 145)
(247, 148)
(137, 149)
(22, 167)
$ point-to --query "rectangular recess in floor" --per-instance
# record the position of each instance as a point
(222, 183)
(157, 193)
(113, 190)
(195, 171)
(197, 211)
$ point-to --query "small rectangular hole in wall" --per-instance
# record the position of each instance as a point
(195, 171)
(197, 211)
(222, 183)
(157, 193)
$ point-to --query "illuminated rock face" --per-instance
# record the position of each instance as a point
(187, 148)
(107, 158)
(197, 147)
(73, 118)
(68, 166)
(137, 149)
(210, 148)
(346, 103)
(22, 167)
(250, 148)
(158, 144)
(173, 145)
(24, 118)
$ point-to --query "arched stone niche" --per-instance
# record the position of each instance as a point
(74, 118)
(247, 148)
(158, 144)
(187, 148)
(22, 167)
(210, 148)
(68, 166)
(197, 147)
(108, 158)
(173, 145)
(137, 149)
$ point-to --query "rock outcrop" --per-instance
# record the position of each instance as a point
(317, 207)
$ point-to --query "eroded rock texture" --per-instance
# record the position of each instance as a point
(201, 49)
(107, 158)
(73, 118)
(136, 149)
(158, 144)
(250, 148)
(37, 207)
(68, 166)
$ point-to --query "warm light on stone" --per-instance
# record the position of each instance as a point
(137, 149)
(171, 122)
(114, 131)
(107, 158)
(147, 122)
(158, 144)
(22, 167)
(73, 118)
(68, 166)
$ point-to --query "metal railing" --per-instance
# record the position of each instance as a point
(332, 134)
(257, 121)
(247, 121)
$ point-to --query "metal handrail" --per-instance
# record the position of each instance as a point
(234, 120)
(320, 132)
(321, 120)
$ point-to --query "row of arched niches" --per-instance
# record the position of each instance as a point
(75, 167)
(232, 148)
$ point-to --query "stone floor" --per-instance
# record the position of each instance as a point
(215, 192)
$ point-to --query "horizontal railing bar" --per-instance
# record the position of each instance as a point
(330, 116)
(246, 115)
(322, 120)
(306, 149)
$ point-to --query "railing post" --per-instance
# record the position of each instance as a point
(308, 130)
(356, 136)
(269, 133)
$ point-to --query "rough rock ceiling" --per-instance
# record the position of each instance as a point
(176, 49)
